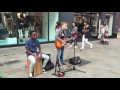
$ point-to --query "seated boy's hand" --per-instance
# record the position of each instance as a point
(38, 58)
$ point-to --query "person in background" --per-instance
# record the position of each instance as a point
(106, 38)
(58, 26)
(86, 35)
(80, 28)
(74, 34)
(102, 30)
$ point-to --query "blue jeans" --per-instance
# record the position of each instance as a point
(60, 55)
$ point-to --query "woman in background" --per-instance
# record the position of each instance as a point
(74, 34)
(86, 35)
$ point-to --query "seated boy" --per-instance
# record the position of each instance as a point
(31, 50)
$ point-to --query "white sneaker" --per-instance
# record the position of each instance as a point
(31, 76)
(81, 48)
(70, 46)
(44, 71)
(76, 47)
(91, 46)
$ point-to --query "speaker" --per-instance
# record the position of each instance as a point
(75, 61)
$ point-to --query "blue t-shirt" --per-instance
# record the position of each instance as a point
(32, 45)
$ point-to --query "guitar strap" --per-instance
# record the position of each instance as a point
(63, 34)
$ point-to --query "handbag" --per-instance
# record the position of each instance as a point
(99, 36)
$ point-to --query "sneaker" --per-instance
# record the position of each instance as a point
(81, 48)
(44, 71)
(70, 46)
(63, 64)
(76, 47)
(91, 46)
(31, 76)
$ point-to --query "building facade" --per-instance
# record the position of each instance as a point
(96, 18)
(15, 26)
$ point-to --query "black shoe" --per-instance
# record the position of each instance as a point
(63, 64)
(58, 65)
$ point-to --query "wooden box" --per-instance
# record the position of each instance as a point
(37, 68)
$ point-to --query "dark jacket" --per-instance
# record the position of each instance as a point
(59, 33)
(87, 32)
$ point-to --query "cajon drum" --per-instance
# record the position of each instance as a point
(37, 68)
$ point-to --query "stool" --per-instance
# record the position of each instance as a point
(37, 67)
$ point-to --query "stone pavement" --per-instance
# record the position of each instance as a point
(102, 61)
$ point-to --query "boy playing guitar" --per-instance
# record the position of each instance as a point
(60, 42)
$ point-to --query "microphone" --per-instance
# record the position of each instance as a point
(69, 30)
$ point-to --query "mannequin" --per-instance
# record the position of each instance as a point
(37, 23)
(31, 23)
(26, 24)
(1, 22)
(9, 23)
(21, 22)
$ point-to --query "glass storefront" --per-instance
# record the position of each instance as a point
(109, 21)
(8, 33)
(15, 26)
(119, 23)
(53, 18)
(91, 17)
(95, 21)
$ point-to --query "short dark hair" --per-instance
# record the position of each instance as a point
(31, 32)
(76, 24)
(58, 24)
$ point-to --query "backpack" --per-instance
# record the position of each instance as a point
(49, 65)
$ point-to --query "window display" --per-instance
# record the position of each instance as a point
(94, 24)
(91, 17)
(9, 23)
(7, 29)
(32, 21)
(109, 21)
(15, 26)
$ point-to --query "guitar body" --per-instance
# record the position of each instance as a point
(58, 44)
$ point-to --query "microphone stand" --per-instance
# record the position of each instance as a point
(74, 68)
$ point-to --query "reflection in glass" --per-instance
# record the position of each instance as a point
(7, 29)
(109, 21)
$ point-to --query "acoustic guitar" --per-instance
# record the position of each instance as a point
(59, 44)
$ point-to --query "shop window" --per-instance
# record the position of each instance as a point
(109, 21)
(53, 18)
(8, 35)
(91, 17)
(32, 21)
